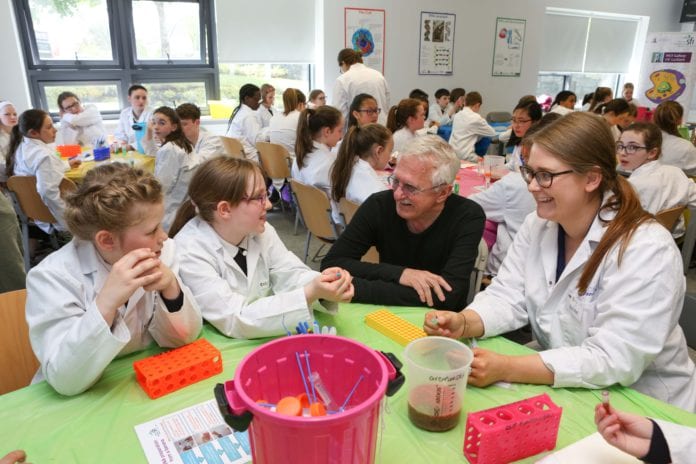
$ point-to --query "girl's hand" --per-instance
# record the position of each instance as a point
(74, 162)
(167, 284)
(487, 367)
(445, 324)
(333, 284)
(628, 432)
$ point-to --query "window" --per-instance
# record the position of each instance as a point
(280, 75)
(98, 48)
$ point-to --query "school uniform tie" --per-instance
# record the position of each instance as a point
(269, 110)
(240, 259)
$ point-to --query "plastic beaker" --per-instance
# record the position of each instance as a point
(438, 369)
(495, 165)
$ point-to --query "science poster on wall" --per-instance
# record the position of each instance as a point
(508, 47)
(667, 72)
(364, 31)
(436, 52)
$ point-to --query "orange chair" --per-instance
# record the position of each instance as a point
(233, 147)
(19, 364)
(315, 209)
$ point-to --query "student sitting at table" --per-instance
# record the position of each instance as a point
(564, 102)
(616, 113)
(175, 159)
(317, 98)
(523, 116)
(244, 124)
(8, 119)
(363, 110)
(317, 133)
(114, 288)
(245, 280)
(265, 111)
(468, 127)
(658, 186)
(79, 124)
(31, 154)
(364, 151)
(205, 144)
(426, 237)
(283, 126)
(404, 120)
(441, 112)
(676, 151)
(136, 113)
(598, 97)
(597, 278)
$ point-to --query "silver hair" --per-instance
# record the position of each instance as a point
(439, 153)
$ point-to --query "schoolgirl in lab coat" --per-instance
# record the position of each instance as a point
(676, 151)
(79, 124)
(564, 102)
(175, 160)
(363, 110)
(265, 111)
(317, 133)
(404, 120)
(283, 126)
(8, 119)
(114, 288)
(244, 124)
(525, 114)
(246, 282)
(364, 151)
(597, 278)
(137, 112)
(31, 153)
(616, 113)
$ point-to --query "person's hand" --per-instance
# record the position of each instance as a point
(425, 283)
(628, 432)
(487, 367)
(138, 268)
(445, 324)
(74, 162)
(167, 284)
(333, 284)
(14, 457)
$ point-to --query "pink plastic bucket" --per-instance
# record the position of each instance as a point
(270, 372)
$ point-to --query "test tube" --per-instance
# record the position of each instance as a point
(605, 401)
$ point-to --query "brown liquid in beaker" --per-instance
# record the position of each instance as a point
(441, 400)
(433, 423)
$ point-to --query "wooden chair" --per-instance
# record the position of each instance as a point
(275, 163)
(669, 217)
(689, 239)
(315, 209)
(16, 356)
(477, 273)
(347, 209)
(233, 147)
(30, 207)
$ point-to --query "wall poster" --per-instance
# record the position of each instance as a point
(667, 72)
(364, 31)
(508, 46)
(436, 52)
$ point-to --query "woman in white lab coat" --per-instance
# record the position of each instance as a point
(244, 124)
(317, 133)
(79, 124)
(114, 288)
(31, 154)
(597, 278)
(246, 282)
(676, 151)
(175, 160)
(404, 120)
(137, 112)
(356, 78)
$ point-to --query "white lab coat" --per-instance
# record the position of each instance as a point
(283, 130)
(208, 145)
(624, 329)
(562, 110)
(508, 203)
(317, 167)
(125, 133)
(440, 116)
(363, 182)
(4, 149)
(174, 168)
(660, 187)
(83, 128)
(245, 127)
(678, 152)
(70, 336)
(264, 115)
(401, 138)
(681, 440)
(361, 79)
(35, 158)
(467, 128)
(260, 304)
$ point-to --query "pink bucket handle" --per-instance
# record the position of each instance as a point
(231, 406)
(396, 378)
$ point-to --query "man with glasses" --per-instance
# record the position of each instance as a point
(426, 237)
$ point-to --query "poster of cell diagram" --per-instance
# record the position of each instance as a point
(364, 31)
(508, 47)
(667, 72)
(436, 43)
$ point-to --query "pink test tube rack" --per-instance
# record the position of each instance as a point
(512, 431)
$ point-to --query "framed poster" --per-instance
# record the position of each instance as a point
(508, 46)
(668, 69)
(364, 31)
(436, 51)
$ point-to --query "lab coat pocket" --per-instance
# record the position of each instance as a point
(576, 318)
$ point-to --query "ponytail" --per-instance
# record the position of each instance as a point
(29, 120)
(247, 90)
(398, 115)
(183, 215)
(391, 119)
(310, 123)
(15, 141)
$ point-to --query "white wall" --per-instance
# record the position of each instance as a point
(13, 78)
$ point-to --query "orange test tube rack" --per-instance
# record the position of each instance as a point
(398, 329)
(178, 368)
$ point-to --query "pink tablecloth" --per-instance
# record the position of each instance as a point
(469, 180)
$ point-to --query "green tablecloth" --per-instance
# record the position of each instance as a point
(97, 426)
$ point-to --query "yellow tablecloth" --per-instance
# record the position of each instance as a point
(132, 157)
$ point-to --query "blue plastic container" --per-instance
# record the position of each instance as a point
(102, 154)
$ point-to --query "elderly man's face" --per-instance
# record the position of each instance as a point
(414, 192)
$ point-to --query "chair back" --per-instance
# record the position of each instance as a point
(498, 116)
(669, 217)
(66, 186)
(17, 359)
(315, 209)
(233, 147)
(28, 200)
(274, 160)
(478, 271)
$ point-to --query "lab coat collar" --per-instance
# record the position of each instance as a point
(647, 168)
(210, 236)
(320, 146)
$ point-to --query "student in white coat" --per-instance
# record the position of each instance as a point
(317, 98)
(658, 186)
(283, 126)
(617, 113)
(114, 288)
(205, 144)
(441, 112)
(356, 78)
(653, 441)
(266, 111)
(31, 153)
(468, 127)
(676, 151)
(79, 124)
(597, 278)
(525, 114)
(363, 110)
(317, 133)
(244, 125)
(564, 102)
(404, 120)
(364, 151)
(8, 119)
(175, 160)
(137, 112)
(246, 282)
